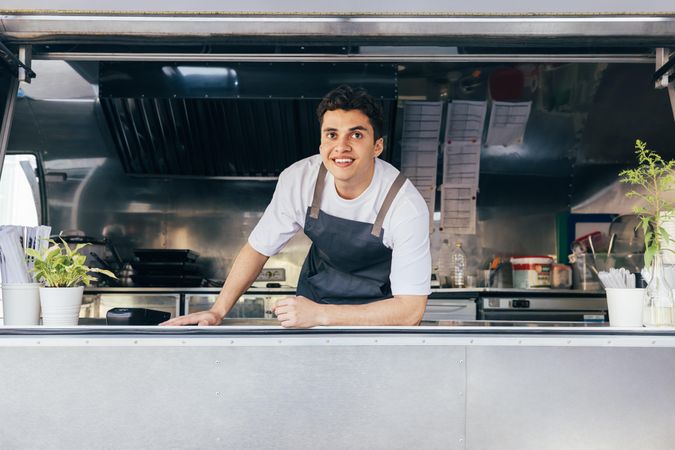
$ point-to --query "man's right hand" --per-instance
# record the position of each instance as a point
(204, 318)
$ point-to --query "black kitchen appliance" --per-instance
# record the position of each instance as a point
(136, 316)
(166, 268)
(521, 307)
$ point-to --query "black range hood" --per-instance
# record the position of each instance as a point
(225, 119)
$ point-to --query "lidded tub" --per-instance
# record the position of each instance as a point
(531, 271)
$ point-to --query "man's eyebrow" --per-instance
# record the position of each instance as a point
(356, 128)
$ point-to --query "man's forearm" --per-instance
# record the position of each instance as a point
(400, 310)
(247, 265)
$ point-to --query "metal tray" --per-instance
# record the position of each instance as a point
(165, 255)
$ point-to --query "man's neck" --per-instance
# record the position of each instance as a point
(351, 190)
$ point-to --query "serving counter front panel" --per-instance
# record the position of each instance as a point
(370, 388)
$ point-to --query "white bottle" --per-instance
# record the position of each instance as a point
(458, 261)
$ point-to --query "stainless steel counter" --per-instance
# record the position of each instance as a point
(450, 385)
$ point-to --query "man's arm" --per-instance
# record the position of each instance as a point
(300, 312)
(247, 265)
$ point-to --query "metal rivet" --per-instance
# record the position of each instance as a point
(569, 342)
(471, 341)
(461, 361)
(520, 342)
(217, 362)
(183, 342)
(653, 342)
(217, 393)
(424, 341)
(231, 342)
(327, 341)
(609, 342)
(376, 341)
(135, 342)
(279, 342)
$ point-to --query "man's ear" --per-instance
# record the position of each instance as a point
(379, 147)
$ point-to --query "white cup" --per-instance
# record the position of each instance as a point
(21, 304)
(625, 306)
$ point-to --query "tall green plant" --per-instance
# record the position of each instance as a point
(656, 177)
(61, 266)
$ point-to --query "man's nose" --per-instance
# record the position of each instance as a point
(342, 144)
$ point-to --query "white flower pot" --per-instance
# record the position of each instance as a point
(625, 307)
(21, 304)
(61, 306)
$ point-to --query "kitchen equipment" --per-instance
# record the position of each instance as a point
(549, 308)
(167, 280)
(450, 309)
(136, 316)
(628, 243)
(166, 268)
(165, 255)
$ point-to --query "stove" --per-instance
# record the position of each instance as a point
(559, 309)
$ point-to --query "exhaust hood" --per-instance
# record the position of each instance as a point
(225, 119)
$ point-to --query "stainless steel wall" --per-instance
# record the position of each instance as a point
(584, 120)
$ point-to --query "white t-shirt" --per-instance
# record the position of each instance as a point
(406, 225)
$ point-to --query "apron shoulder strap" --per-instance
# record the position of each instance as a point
(388, 200)
(318, 191)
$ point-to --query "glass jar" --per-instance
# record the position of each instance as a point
(658, 307)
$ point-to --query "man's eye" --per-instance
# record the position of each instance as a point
(357, 135)
(330, 135)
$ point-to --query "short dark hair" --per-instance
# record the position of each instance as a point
(347, 98)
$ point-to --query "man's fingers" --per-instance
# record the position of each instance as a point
(190, 319)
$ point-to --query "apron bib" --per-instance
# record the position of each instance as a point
(348, 262)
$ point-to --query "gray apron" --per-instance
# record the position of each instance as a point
(347, 263)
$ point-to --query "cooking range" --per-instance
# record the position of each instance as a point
(543, 308)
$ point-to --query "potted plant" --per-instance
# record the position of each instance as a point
(656, 178)
(64, 274)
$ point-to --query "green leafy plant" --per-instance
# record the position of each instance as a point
(61, 266)
(656, 177)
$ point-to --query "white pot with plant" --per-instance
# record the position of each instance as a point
(64, 274)
(656, 178)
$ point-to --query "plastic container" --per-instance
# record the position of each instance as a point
(531, 272)
(444, 264)
(561, 277)
(458, 260)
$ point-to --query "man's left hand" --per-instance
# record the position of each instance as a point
(299, 312)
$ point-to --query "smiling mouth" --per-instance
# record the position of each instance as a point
(343, 162)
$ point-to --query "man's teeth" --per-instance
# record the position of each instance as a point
(341, 161)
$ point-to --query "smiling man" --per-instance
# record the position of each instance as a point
(369, 263)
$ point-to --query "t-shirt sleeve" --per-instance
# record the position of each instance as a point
(411, 255)
(279, 223)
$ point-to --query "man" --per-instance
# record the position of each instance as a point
(369, 263)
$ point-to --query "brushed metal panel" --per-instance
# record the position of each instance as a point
(528, 397)
(272, 397)
(348, 7)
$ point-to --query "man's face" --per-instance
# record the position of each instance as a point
(348, 149)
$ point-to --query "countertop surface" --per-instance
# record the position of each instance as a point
(263, 327)
(435, 292)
